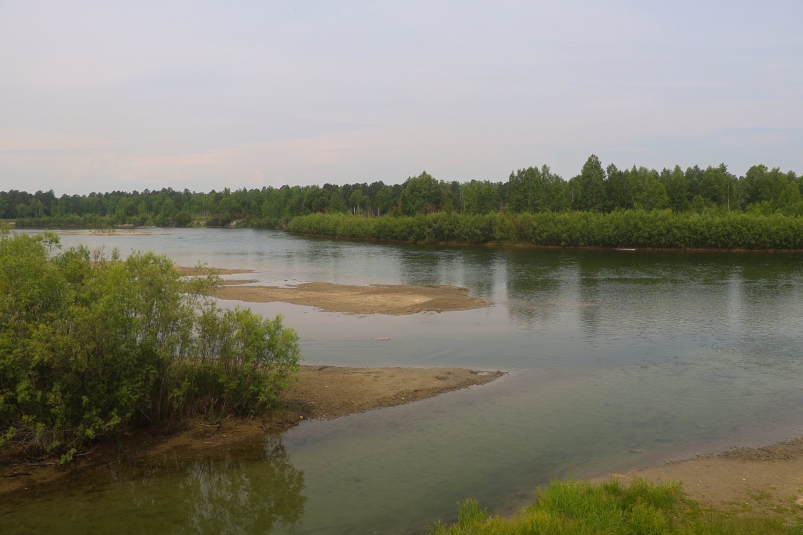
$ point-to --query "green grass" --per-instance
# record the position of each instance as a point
(573, 507)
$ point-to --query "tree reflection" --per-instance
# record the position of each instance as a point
(227, 495)
(533, 285)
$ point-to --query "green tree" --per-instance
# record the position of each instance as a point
(591, 186)
(336, 203)
(421, 195)
(359, 202)
(677, 188)
(383, 200)
(479, 197)
(620, 191)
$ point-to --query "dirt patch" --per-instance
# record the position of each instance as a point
(203, 271)
(321, 392)
(377, 299)
(767, 480)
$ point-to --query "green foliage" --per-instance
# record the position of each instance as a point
(530, 190)
(591, 186)
(92, 345)
(571, 507)
(631, 228)
(421, 195)
(536, 190)
(479, 197)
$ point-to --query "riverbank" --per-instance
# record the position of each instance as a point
(766, 480)
(323, 392)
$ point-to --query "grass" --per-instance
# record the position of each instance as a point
(574, 507)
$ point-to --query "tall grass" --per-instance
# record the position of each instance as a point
(631, 228)
(571, 507)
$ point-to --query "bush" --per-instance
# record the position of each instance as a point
(630, 228)
(92, 346)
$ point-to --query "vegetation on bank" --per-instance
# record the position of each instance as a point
(93, 346)
(571, 507)
(534, 190)
(631, 228)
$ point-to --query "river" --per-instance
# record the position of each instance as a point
(616, 360)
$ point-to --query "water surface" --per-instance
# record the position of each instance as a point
(617, 360)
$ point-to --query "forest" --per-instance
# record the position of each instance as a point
(596, 189)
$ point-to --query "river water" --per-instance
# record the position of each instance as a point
(616, 360)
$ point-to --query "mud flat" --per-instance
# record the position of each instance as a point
(377, 299)
(324, 392)
(767, 480)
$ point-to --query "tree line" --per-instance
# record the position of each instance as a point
(532, 190)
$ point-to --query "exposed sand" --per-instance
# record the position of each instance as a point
(104, 233)
(766, 480)
(321, 392)
(377, 299)
(201, 271)
(330, 392)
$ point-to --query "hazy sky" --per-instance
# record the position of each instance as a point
(201, 95)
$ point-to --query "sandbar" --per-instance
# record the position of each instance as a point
(204, 270)
(375, 299)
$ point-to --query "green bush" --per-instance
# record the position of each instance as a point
(627, 228)
(93, 345)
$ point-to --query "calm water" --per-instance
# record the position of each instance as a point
(617, 360)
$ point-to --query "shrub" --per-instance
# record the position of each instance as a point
(629, 228)
(93, 346)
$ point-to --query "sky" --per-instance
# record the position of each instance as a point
(101, 96)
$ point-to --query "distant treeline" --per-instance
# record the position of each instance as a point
(533, 190)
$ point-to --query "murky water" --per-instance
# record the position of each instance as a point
(617, 360)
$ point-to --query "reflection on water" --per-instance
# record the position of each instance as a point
(617, 360)
(228, 496)
(227, 493)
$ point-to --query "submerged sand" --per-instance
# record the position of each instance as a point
(321, 392)
(376, 299)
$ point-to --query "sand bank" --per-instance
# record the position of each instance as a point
(204, 270)
(767, 480)
(377, 299)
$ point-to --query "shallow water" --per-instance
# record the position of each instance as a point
(616, 359)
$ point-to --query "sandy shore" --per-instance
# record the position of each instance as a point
(321, 392)
(767, 480)
(378, 299)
